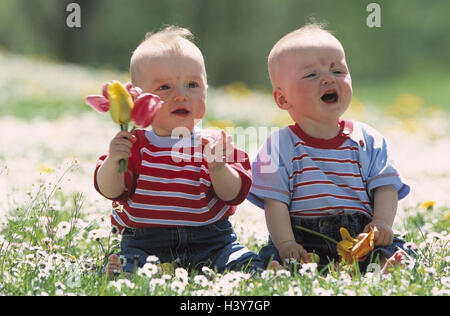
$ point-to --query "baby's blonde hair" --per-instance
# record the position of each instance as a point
(280, 47)
(168, 41)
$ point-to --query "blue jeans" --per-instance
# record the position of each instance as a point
(212, 245)
(329, 226)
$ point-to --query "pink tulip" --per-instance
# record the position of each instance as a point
(98, 103)
(105, 89)
(135, 92)
(145, 107)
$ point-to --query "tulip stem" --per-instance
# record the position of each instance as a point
(316, 233)
(123, 164)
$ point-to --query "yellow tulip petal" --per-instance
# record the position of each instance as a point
(364, 246)
(121, 103)
(345, 255)
(371, 237)
(346, 245)
(346, 235)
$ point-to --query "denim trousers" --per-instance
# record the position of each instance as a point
(213, 245)
(329, 226)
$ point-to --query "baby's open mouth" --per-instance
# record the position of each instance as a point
(180, 111)
(330, 97)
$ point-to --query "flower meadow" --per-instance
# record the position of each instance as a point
(54, 228)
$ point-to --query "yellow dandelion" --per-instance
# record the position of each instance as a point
(428, 205)
(43, 168)
(406, 105)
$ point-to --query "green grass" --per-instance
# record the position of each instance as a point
(46, 249)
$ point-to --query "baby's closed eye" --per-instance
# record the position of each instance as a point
(311, 75)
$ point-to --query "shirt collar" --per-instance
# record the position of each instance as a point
(345, 132)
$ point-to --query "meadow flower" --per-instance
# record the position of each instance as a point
(93, 235)
(201, 280)
(63, 229)
(119, 284)
(349, 292)
(428, 205)
(60, 286)
(294, 290)
(308, 269)
(45, 168)
(156, 282)
(177, 286)
(148, 270)
(123, 260)
(283, 274)
(152, 259)
(322, 292)
(268, 274)
(181, 275)
(208, 272)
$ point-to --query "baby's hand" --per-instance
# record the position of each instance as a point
(292, 250)
(383, 233)
(217, 151)
(120, 146)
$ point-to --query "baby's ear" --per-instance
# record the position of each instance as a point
(280, 99)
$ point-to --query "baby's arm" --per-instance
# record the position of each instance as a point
(385, 208)
(225, 180)
(279, 226)
(111, 182)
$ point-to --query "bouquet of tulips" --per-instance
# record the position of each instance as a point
(126, 104)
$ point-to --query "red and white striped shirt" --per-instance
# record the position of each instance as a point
(168, 184)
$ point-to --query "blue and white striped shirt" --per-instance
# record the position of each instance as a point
(317, 177)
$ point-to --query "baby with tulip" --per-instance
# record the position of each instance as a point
(181, 183)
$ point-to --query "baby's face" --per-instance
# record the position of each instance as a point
(315, 82)
(180, 81)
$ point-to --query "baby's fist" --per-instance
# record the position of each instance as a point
(120, 146)
(383, 233)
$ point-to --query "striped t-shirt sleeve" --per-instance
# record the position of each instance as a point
(270, 170)
(381, 169)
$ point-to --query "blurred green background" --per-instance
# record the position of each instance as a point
(409, 53)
